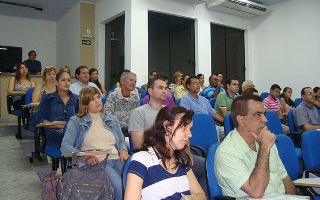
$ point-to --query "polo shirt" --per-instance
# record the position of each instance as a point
(224, 100)
(304, 114)
(272, 104)
(234, 162)
(198, 105)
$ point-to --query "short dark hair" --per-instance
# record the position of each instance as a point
(228, 82)
(218, 73)
(315, 89)
(303, 92)
(199, 75)
(32, 51)
(160, 76)
(240, 107)
(77, 72)
(275, 86)
(152, 71)
(188, 81)
(286, 89)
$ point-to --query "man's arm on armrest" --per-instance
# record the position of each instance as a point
(307, 127)
(223, 111)
(288, 185)
(258, 181)
(137, 139)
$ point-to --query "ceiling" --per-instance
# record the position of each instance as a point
(52, 9)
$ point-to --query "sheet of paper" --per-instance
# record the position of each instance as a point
(281, 197)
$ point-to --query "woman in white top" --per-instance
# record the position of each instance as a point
(48, 85)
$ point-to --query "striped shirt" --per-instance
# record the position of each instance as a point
(158, 183)
(272, 104)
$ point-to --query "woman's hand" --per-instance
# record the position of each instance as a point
(92, 160)
(124, 155)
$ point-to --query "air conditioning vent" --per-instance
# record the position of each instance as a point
(244, 8)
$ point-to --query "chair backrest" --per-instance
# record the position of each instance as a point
(125, 172)
(212, 102)
(204, 131)
(28, 98)
(297, 101)
(264, 95)
(214, 188)
(227, 123)
(288, 156)
(311, 149)
(274, 123)
(292, 125)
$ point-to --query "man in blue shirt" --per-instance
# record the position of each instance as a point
(197, 103)
(33, 64)
(214, 88)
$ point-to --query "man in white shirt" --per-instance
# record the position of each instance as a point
(82, 75)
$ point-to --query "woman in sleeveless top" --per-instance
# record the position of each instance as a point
(22, 80)
(48, 85)
(162, 170)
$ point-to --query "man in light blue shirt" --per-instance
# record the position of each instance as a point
(197, 103)
(82, 75)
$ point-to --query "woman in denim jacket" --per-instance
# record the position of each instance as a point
(58, 106)
(91, 128)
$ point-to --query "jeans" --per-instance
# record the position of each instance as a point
(199, 169)
(114, 168)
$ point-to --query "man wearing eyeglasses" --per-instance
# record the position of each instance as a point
(306, 114)
(247, 161)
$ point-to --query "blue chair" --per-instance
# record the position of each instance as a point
(264, 95)
(274, 123)
(311, 149)
(297, 101)
(27, 111)
(227, 123)
(212, 102)
(17, 113)
(204, 132)
(295, 134)
(214, 187)
(288, 156)
(125, 172)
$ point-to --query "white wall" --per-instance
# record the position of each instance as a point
(286, 46)
(136, 30)
(68, 39)
(30, 34)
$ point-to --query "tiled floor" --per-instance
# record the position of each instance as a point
(18, 179)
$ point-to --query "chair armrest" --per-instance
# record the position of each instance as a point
(307, 172)
(199, 151)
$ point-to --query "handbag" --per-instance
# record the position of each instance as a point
(49, 186)
(85, 183)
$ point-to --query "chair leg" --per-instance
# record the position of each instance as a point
(18, 135)
(55, 164)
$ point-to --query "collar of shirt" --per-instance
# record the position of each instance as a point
(240, 143)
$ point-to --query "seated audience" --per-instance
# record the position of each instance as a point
(181, 90)
(220, 78)
(144, 87)
(247, 84)
(94, 78)
(143, 117)
(123, 100)
(247, 161)
(48, 85)
(213, 89)
(21, 82)
(91, 129)
(33, 64)
(201, 80)
(57, 106)
(306, 115)
(285, 99)
(165, 149)
(198, 104)
(82, 75)
(225, 99)
(250, 91)
(316, 91)
(177, 80)
(169, 100)
(272, 101)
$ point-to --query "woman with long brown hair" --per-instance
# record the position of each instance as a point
(162, 170)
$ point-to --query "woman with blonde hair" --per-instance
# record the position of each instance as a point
(48, 85)
(91, 129)
(177, 80)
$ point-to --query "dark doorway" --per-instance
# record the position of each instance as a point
(114, 36)
(171, 44)
(227, 52)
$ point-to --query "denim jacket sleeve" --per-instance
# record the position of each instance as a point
(70, 136)
(44, 107)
